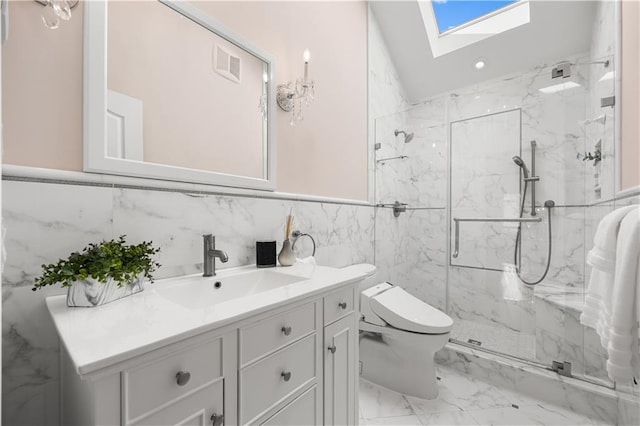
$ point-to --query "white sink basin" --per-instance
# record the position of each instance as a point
(200, 292)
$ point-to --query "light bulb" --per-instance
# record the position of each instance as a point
(306, 55)
(480, 63)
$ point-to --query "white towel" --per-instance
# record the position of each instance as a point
(623, 336)
(597, 307)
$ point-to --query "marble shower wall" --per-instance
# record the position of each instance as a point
(411, 249)
(47, 221)
(485, 183)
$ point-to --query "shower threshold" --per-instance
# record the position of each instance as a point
(454, 344)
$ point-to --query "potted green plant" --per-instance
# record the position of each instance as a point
(102, 272)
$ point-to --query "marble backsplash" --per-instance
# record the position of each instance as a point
(46, 221)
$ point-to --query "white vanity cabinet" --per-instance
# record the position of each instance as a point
(293, 365)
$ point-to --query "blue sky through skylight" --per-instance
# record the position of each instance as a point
(452, 13)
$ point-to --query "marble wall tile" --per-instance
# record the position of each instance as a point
(479, 296)
(343, 233)
(485, 183)
(386, 94)
(410, 252)
(567, 251)
(45, 222)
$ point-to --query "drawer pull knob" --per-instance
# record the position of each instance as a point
(217, 419)
(183, 377)
(342, 305)
(286, 375)
(332, 349)
(286, 330)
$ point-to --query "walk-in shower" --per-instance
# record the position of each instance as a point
(476, 232)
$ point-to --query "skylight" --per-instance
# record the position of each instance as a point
(451, 14)
(454, 24)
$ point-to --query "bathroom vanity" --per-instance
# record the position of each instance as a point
(247, 346)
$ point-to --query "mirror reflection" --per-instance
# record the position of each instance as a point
(181, 95)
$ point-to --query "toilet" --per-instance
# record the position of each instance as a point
(399, 336)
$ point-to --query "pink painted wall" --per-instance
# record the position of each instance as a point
(630, 93)
(323, 155)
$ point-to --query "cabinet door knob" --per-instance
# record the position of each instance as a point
(217, 419)
(286, 330)
(286, 375)
(183, 377)
(332, 349)
(342, 305)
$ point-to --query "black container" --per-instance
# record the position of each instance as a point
(265, 254)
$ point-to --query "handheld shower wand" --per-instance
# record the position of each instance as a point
(549, 204)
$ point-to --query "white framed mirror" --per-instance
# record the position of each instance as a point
(171, 94)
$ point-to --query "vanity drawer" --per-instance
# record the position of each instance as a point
(266, 383)
(151, 385)
(197, 409)
(338, 304)
(303, 410)
(267, 336)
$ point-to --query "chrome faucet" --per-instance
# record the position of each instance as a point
(210, 254)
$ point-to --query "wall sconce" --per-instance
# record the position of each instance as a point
(55, 10)
(262, 104)
(291, 96)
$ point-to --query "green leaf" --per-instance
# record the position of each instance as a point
(107, 259)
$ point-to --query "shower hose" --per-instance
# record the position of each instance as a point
(549, 205)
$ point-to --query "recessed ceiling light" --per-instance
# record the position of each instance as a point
(480, 63)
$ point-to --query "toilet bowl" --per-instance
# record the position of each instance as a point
(399, 336)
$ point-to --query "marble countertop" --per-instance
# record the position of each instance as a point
(97, 338)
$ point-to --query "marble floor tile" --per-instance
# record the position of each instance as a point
(462, 401)
(448, 418)
(376, 402)
(394, 421)
(459, 393)
(531, 415)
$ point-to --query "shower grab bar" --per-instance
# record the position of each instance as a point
(457, 221)
(399, 157)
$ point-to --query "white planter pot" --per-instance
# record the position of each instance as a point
(91, 293)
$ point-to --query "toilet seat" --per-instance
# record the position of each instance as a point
(406, 312)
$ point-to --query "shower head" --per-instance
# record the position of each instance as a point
(407, 136)
(520, 163)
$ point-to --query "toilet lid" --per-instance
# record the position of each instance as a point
(405, 312)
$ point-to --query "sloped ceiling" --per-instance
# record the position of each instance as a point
(557, 29)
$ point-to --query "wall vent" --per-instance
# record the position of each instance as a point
(226, 64)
